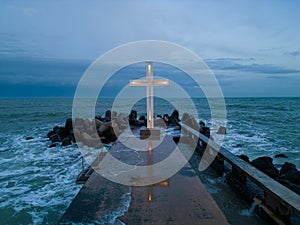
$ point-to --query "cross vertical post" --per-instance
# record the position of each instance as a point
(150, 106)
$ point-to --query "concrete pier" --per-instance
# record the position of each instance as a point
(181, 199)
(184, 201)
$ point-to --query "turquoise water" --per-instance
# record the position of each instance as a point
(37, 183)
(264, 126)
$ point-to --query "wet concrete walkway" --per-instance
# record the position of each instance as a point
(181, 199)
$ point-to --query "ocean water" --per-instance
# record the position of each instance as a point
(37, 183)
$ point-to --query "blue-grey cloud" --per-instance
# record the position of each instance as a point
(9, 45)
(13, 45)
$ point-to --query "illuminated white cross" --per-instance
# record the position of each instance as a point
(149, 83)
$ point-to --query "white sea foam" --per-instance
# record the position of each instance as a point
(37, 181)
(121, 207)
(248, 212)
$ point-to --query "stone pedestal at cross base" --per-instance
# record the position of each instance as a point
(151, 133)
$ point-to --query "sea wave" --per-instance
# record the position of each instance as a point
(37, 183)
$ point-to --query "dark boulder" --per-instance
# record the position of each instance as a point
(272, 172)
(191, 122)
(221, 130)
(53, 131)
(52, 145)
(291, 179)
(244, 157)
(291, 176)
(69, 125)
(109, 139)
(281, 155)
(66, 141)
(63, 132)
(72, 137)
(94, 143)
(55, 138)
(292, 186)
(185, 118)
(218, 165)
(265, 164)
(288, 167)
(176, 139)
(50, 133)
(205, 131)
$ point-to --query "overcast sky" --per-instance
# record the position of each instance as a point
(253, 47)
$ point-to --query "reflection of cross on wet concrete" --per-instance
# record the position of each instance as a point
(150, 173)
(149, 83)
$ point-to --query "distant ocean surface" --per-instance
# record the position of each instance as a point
(37, 183)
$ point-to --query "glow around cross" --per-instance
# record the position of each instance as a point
(150, 83)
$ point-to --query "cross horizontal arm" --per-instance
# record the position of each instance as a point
(159, 82)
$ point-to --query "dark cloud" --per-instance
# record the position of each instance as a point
(279, 77)
(35, 90)
(228, 64)
(20, 70)
(293, 53)
(230, 59)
